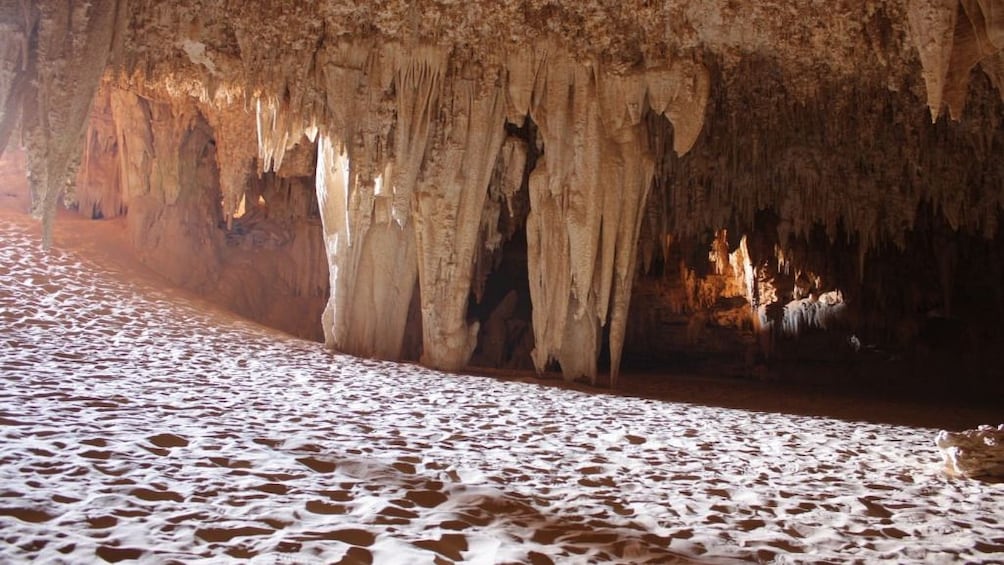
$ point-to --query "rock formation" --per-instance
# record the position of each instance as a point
(712, 178)
(975, 453)
(50, 78)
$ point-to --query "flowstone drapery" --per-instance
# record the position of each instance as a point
(424, 189)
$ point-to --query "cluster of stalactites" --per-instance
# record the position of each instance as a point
(589, 190)
(860, 164)
(411, 141)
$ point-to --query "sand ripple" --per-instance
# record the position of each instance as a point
(137, 426)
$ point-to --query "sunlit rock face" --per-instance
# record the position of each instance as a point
(566, 186)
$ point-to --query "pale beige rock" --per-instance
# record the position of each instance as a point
(98, 193)
(233, 124)
(952, 37)
(448, 207)
(371, 262)
(932, 25)
(448, 132)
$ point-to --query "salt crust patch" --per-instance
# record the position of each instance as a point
(134, 425)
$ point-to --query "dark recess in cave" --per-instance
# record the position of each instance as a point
(506, 335)
(504, 310)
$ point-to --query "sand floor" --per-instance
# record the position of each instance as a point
(135, 423)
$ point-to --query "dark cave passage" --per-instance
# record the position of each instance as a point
(505, 338)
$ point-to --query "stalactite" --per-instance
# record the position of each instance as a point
(427, 166)
(448, 206)
(16, 23)
(993, 66)
(365, 191)
(236, 150)
(582, 255)
(452, 147)
(504, 210)
(637, 174)
(952, 37)
(371, 261)
(681, 94)
(861, 159)
(419, 81)
(98, 191)
(75, 42)
(823, 312)
(932, 25)
(279, 129)
(979, 34)
(563, 227)
(133, 130)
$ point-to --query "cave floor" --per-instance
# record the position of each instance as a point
(137, 423)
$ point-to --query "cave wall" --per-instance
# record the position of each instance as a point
(555, 184)
(14, 192)
(155, 162)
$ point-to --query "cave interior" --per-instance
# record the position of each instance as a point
(809, 195)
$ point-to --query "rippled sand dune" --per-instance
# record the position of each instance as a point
(137, 425)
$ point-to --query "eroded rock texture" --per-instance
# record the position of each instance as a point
(975, 453)
(556, 184)
(157, 161)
